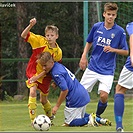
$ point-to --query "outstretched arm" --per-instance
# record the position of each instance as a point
(61, 98)
(27, 29)
(36, 77)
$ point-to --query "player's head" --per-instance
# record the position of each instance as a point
(46, 60)
(110, 12)
(110, 6)
(51, 33)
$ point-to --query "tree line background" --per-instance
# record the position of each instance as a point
(67, 16)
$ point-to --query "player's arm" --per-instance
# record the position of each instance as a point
(131, 48)
(114, 50)
(60, 100)
(84, 61)
(27, 29)
(36, 77)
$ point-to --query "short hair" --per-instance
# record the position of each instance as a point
(44, 57)
(53, 28)
(110, 6)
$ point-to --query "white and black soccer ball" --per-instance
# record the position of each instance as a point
(42, 123)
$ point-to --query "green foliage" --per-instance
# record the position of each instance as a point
(67, 16)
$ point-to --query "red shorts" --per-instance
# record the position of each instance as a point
(44, 86)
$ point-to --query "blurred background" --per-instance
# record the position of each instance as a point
(74, 20)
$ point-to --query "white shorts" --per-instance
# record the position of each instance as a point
(90, 78)
(73, 113)
(126, 78)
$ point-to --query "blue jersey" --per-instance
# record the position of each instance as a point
(77, 95)
(100, 61)
(129, 29)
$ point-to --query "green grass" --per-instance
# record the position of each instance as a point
(14, 117)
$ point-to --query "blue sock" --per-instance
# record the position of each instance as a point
(100, 108)
(80, 121)
(98, 119)
(118, 109)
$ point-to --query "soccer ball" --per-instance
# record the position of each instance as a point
(42, 123)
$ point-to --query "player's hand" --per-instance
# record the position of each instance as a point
(54, 86)
(32, 22)
(108, 49)
(83, 63)
(54, 110)
(32, 79)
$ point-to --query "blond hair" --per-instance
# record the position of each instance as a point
(45, 57)
(53, 28)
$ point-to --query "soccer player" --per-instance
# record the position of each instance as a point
(107, 39)
(40, 44)
(125, 82)
(76, 96)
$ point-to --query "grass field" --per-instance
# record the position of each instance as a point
(14, 117)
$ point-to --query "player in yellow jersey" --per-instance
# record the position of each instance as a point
(40, 44)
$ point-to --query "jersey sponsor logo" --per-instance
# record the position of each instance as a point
(112, 35)
(100, 32)
(103, 41)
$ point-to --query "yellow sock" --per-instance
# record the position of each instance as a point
(32, 105)
(47, 109)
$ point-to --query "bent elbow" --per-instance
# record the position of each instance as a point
(22, 35)
(126, 52)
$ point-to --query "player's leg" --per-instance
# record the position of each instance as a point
(103, 121)
(105, 84)
(119, 106)
(44, 87)
(46, 104)
(32, 105)
(102, 104)
(77, 117)
(125, 82)
(89, 79)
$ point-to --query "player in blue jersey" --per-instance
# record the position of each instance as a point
(76, 96)
(125, 82)
(107, 39)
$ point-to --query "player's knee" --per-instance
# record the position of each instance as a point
(104, 97)
(120, 89)
(33, 94)
(43, 101)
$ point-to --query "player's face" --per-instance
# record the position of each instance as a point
(110, 16)
(51, 36)
(47, 66)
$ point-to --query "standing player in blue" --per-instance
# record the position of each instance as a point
(72, 91)
(107, 39)
(125, 82)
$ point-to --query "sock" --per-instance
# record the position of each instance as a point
(86, 115)
(98, 119)
(32, 107)
(79, 122)
(47, 109)
(100, 108)
(118, 109)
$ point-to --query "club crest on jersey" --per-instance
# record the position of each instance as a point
(112, 35)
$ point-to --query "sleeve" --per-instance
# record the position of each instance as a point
(60, 82)
(123, 41)
(91, 33)
(129, 28)
(35, 40)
